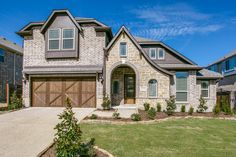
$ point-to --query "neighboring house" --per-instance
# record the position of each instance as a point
(79, 58)
(227, 67)
(11, 58)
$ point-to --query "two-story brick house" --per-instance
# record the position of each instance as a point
(227, 67)
(80, 59)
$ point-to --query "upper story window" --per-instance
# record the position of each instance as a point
(182, 86)
(68, 38)
(229, 64)
(161, 53)
(153, 53)
(152, 88)
(54, 39)
(1, 55)
(123, 49)
(213, 68)
(205, 89)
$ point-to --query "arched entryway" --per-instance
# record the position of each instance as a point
(123, 85)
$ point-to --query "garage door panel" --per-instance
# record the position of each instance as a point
(54, 91)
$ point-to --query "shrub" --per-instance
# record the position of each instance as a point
(146, 106)
(158, 107)
(234, 110)
(191, 110)
(93, 116)
(202, 105)
(136, 117)
(106, 104)
(216, 109)
(183, 108)
(226, 107)
(171, 106)
(15, 102)
(152, 113)
(116, 115)
(68, 136)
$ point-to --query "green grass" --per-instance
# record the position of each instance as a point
(177, 138)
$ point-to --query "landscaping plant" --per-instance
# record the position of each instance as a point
(171, 106)
(135, 117)
(158, 107)
(216, 109)
(68, 142)
(191, 109)
(93, 116)
(146, 106)
(183, 108)
(15, 102)
(225, 106)
(116, 115)
(152, 113)
(202, 105)
(106, 104)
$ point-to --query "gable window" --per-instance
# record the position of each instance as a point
(54, 39)
(123, 50)
(205, 89)
(161, 53)
(152, 88)
(68, 39)
(115, 87)
(152, 53)
(181, 86)
(1, 55)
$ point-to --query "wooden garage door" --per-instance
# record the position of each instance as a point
(50, 92)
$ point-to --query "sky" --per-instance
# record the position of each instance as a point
(202, 30)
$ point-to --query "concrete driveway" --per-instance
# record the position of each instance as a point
(27, 132)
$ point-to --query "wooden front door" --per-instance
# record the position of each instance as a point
(129, 89)
(52, 92)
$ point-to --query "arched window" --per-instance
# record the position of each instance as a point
(152, 88)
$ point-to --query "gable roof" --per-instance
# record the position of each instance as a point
(124, 30)
(10, 46)
(207, 74)
(54, 13)
(233, 53)
(144, 41)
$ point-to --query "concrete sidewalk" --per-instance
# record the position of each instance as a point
(27, 132)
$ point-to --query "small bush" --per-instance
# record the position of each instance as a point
(146, 106)
(226, 107)
(93, 116)
(234, 110)
(106, 104)
(116, 115)
(158, 107)
(68, 140)
(216, 109)
(202, 105)
(136, 117)
(183, 108)
(171, 106)
(191, 110)
(15, 102)
(152, 113)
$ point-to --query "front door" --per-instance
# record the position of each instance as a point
(129, 89)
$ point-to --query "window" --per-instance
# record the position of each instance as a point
(115, 88)
(181, 86)
(123, 50)
(54, 39)
(1, 55)
(229, 64)
(152, 88)
(161, 53)
(205, 89)
(68, 38)
(152, 53)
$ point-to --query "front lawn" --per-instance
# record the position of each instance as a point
(174, 138)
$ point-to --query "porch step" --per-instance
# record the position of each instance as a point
(126, 110)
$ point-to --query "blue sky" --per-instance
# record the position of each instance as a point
(202, 30)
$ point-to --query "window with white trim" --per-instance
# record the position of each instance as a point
(153, 53)
(68, 39)
(152, 88)
(123, 49)
(205, 89)
(161, 53)
(54, 39)
(181, 86)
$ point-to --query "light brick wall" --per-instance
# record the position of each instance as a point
(144, 72)
(91, 44)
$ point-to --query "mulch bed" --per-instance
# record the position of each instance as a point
(163, 115)
(50, 152)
